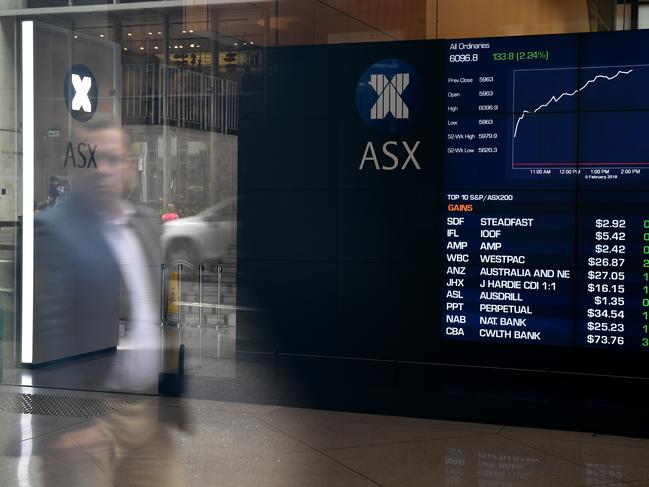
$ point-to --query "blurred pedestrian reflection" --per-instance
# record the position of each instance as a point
(170, 214)
(132, 447)
(97, 261)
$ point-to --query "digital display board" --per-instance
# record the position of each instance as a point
(546, 208)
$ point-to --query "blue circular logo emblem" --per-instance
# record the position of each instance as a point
(389, 95)
(81, 92)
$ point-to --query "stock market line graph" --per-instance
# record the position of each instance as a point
(556, 99)
(581, 117)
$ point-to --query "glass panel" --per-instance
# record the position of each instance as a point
(181, 84)
(643, 16)
(484, 18)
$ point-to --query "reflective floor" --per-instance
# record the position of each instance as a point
(140, 441)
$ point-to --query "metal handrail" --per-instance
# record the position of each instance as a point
(157, 94)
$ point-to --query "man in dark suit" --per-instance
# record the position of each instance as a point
(97, 260)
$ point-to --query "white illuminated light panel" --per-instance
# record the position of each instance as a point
(27, 314)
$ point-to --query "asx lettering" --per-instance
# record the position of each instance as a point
(83, 155)
(393, 152)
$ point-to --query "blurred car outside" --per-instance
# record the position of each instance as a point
(204, 238)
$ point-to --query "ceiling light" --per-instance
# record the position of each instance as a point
(126, 48)
(150, 33)
(180, 47)
(155, 47)
(191, 31)
(101, 35)
(76, 36)
(191, 45)
(175, 47)
(184, 32)
(130, 34)
(141, 48)
(159, 33)
(235, 44)
(198, 45)
(251, 43)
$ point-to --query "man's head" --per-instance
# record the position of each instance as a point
(110, 167)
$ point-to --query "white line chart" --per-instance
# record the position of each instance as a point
(555, 99)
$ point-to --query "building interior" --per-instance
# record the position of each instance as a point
(283, 242)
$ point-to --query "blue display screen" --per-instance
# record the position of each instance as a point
(546, 172)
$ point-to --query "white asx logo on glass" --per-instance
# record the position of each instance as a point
(82, 86)
(389, 100)
(81, 92)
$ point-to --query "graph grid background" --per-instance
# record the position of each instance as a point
(593, 116)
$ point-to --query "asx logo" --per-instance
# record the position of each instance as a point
(389, 91)
(389, 95)
(81, 92)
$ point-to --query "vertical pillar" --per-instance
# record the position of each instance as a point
(10, 147)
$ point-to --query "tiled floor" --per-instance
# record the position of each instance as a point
(230, 444)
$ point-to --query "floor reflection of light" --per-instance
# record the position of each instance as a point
(494, 469)
(454, 464)
(596, 471)
(505, 470)
(26, 379)
(25, 450)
